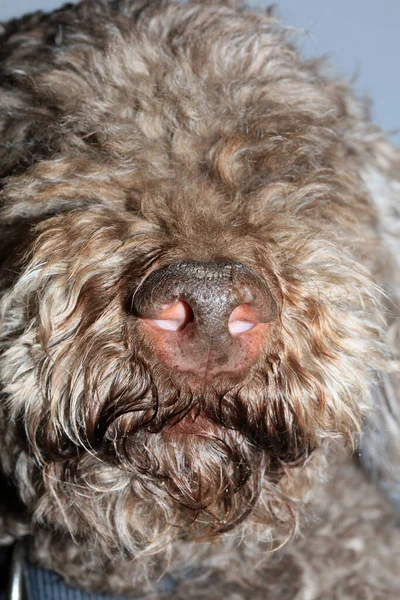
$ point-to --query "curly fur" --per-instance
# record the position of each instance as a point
(138, 134)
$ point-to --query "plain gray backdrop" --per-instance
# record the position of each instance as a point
(360, 36)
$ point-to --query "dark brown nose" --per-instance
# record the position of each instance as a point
(204, 318)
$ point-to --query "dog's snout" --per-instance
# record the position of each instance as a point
(204, 317)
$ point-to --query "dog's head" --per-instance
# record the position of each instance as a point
(187, 324)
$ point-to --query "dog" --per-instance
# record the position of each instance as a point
(199, 303)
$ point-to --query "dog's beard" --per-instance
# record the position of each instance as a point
(197, 460)
(211, 476)
(207, 455)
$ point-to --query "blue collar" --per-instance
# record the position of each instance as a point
(28, 582)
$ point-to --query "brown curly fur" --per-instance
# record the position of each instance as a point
(138, 134)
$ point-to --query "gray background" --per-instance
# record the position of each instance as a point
(361, 37)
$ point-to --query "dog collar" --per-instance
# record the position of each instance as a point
(28, 582)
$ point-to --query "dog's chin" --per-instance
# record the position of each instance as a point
(211, 473)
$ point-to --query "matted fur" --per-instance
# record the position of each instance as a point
(139, 134)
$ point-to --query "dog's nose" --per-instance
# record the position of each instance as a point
(204, 318)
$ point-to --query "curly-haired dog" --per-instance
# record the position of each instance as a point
(199, 293)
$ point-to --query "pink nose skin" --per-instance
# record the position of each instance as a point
(175, 317)
(205, 319)
(243, 318)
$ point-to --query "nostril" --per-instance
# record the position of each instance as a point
(243, 318)
(173, 317)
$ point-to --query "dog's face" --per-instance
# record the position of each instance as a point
(183, 332)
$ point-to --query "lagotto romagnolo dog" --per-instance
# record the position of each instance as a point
(199, 294)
